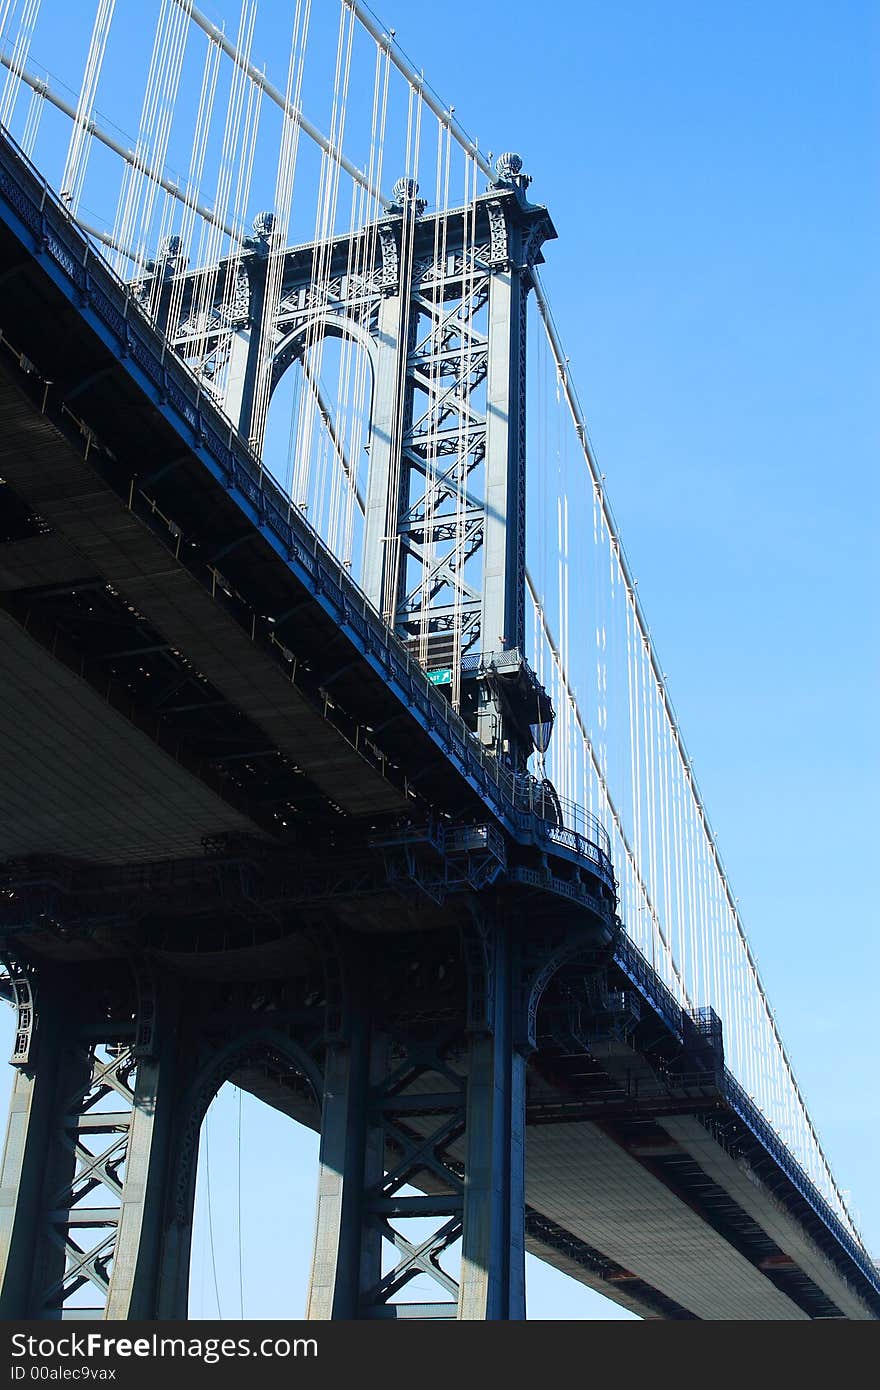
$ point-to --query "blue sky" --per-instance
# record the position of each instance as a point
(712, 172)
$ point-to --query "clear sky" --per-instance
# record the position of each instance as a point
(712, 173)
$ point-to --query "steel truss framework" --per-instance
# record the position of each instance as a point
(412, 1067)
(99, 1139)
(72, 1117)
(99, 1166)
(410, 1061)
(439, 304)
(439, 1143)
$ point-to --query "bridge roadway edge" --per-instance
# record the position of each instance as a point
(251, 506)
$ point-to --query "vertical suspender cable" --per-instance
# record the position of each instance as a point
(20, 51)
(74, 173)
(36, 107)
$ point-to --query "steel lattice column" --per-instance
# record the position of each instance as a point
(438, 303)
(449, 423)
(493, 1254)
(87, 1160)
(151, 1264)
(439, 1111)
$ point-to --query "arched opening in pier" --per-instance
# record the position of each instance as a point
(317, 436)
(279, 1170)
(254, 1211)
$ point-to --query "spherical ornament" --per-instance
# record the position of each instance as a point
(405, 190)
(264, 223)
(507, 166)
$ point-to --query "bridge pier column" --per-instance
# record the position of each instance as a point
(347, 1253)
(422, 1151)
(29, 1164)
(84, 1189)
(379, 543)
(152, 1252)
(493, 1246)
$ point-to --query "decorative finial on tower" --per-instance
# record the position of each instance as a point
(405, 194)
(264, 224)
(263, 229)
(168, 260)
(508, 168)
(506, 165)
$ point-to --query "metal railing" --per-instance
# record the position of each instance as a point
(561, 823)
(705, 1022)
(739, 1101)
(473, 662)
(643, 975)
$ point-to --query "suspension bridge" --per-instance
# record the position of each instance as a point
(339, 761)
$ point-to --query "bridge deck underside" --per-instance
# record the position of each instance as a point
(204, 599)
(97, 543)
(583, 1181)
(69, 763)
(604, 1211)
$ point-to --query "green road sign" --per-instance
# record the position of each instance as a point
(441, 677)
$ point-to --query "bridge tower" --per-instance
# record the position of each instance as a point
(449, 436)
(439, 304)
(376, 975)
